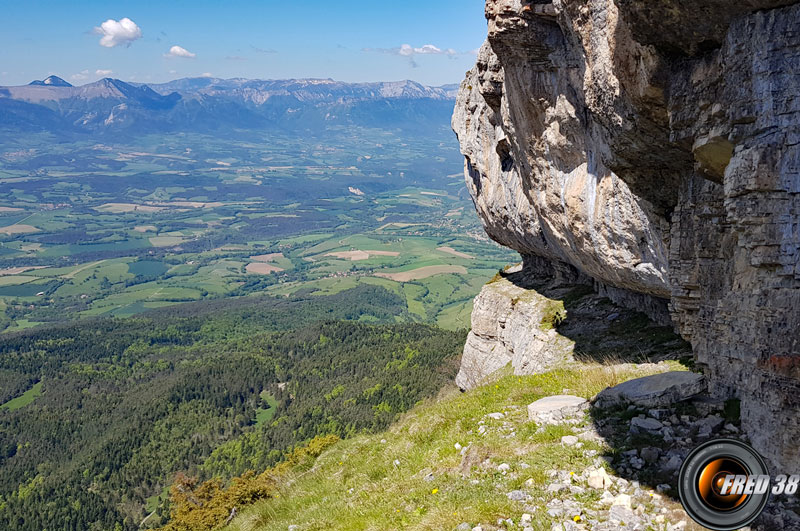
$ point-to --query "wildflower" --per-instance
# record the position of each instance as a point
(434, 491)
(576, 518)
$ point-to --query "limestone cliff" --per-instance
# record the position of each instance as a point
(654, 149)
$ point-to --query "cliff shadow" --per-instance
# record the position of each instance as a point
(601, 330)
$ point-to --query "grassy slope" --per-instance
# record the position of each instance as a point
(378, 481)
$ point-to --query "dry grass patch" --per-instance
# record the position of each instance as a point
(269, 257)
(261, 268)
(18, 270)
(361, 255)
(18, 229)
(451, 251)
(145, 228)
(423, 272)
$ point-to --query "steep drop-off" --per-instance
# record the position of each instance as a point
(653, 149)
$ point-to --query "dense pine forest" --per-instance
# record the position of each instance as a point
(100, 417)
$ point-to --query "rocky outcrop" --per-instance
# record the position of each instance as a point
(535, 318)
(513, 325)
(654, 148)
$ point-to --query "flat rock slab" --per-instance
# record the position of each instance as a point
(654, 391)
(555, 409)
(645, 424)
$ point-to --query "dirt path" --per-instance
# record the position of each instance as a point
(83, 268)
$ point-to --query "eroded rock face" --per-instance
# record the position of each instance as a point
(656, 149)
(514, 326)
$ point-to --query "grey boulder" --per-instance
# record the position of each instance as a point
(653, 391)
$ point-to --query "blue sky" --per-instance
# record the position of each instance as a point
(429, 41)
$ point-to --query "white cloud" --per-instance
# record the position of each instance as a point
(103, 73)
(117, 32)
(427, 49)
(206, 74)
(406, 50)
(84, 74)
(179, 51)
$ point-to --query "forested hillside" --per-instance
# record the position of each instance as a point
(97, 417)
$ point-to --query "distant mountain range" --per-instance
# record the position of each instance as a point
(209, 104)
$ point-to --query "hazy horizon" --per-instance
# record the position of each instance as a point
(233, 78)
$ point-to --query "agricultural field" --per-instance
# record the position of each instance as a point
(99, 229)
